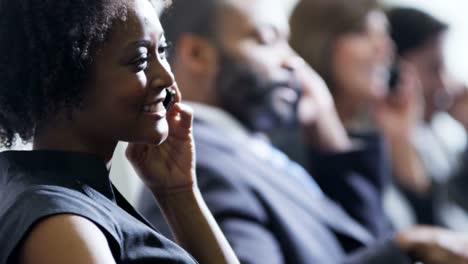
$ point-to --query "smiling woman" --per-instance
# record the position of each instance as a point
(76, 77)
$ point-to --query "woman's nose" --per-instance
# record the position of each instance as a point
(161, 76)
(290, 59)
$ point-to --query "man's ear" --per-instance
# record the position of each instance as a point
(198, 55)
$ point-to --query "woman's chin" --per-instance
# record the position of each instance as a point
(160, 134)
(162, 138)
(153, 139)
(154, 135)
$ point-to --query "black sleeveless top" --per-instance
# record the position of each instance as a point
(38, 184)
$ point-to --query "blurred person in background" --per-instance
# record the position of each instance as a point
(348, 43)
(419, 39)
(233, 62)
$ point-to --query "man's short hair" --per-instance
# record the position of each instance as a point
(411, 28)
(198, 17)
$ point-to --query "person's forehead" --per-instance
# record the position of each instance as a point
(256, 13)
(141, 23)
(142, 15)
(138, 20)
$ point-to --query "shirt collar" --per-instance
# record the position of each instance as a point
(224, 121)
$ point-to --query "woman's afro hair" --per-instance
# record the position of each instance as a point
(46, 50)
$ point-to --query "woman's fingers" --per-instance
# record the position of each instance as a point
(178, 98)
(181, 116)
(186, 116)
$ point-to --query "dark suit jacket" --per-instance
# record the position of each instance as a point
(355, 179)
(269, 217)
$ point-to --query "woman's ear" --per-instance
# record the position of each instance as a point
(198, 55)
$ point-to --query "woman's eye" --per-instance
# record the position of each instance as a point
(141, 63)
(162, 50)
(267, 37)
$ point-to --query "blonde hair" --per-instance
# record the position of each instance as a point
(316, 24)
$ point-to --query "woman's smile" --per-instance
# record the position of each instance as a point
(156, 108)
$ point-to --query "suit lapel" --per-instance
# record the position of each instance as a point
(325, 210)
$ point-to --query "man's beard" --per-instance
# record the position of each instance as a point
(254, 102)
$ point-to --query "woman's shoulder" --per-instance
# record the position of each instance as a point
(65, 238)
(45, 199)
(22, 210)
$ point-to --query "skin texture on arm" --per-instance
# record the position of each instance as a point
(397, 116)
(434, 245)
(66, 239)
(194, 227)
(407, 165)
(317, 113)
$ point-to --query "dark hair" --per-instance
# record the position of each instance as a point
(188, 16)
(47, 47)
(317, 24)
(411, 28)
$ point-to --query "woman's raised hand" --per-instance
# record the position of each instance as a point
(169, 166)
